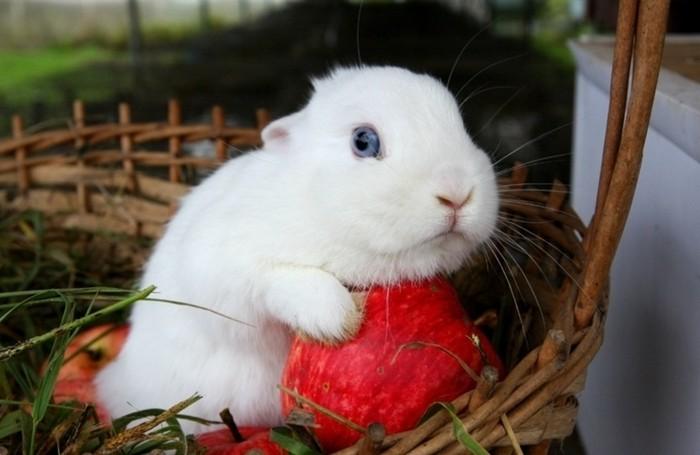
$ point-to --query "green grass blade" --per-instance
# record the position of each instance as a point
(75, 291)
(120, 424)
(55, 360)
(198, 307)
(11, 423)
(11, 351)
(460, 433)
(17, 306)
(431, 411)
(179, 435)
(57, 406)
(284, 437)
(138, 432)
(27, 432)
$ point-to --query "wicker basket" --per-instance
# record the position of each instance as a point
(101, 178)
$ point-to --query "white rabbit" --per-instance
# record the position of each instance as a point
(375, 180)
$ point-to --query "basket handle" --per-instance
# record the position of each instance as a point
(641, 28)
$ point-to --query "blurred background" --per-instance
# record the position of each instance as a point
(515, 78)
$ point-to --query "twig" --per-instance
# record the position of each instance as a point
(413, 344)
(553, 346)
(484, 387)
(576, 364)
(652, 17)
(325, 411)
(402, 442)
(511, 434)
(227, 418)
(372, 443)
(138, 431)
(444, 437)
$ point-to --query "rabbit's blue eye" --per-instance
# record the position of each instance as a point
(365, 143)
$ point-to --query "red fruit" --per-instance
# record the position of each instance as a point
(99, 345)
(402, 360)
(80, 390)
(86, 355)
(221, 442)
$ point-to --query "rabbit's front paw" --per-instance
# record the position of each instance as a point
(335, 317)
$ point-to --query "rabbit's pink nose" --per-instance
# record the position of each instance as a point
(454, 203)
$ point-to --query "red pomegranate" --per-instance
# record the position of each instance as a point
(404, 358)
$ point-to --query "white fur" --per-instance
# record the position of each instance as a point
(271, 238)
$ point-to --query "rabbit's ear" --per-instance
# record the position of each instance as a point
(279, 130)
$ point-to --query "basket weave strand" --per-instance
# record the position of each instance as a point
(609, 222)
(105, 164)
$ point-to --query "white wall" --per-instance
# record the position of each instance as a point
(643, 389)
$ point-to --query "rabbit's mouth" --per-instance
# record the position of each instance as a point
(449, 233)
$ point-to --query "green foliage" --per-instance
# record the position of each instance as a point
(24, 72)
(28, 372)
(461, 434)
(294, 443)
(69, 324)
(36, 326)
(554, 48)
